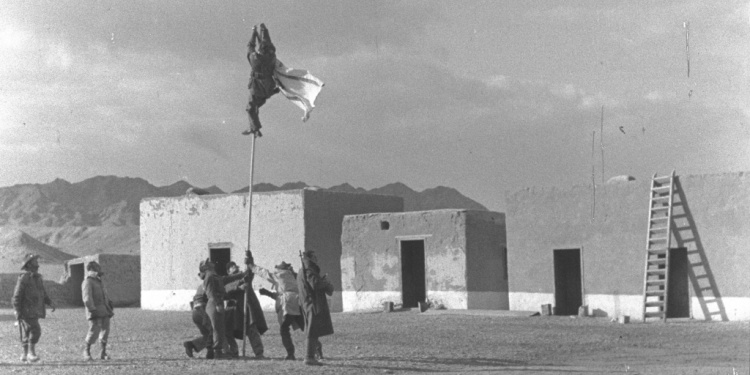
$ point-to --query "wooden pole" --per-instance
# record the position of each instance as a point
(248, 288)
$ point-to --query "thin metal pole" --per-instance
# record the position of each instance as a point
(248, 288)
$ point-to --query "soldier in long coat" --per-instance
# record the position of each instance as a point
(255, 320)
(29, 298)
(312, 292)
(99, 310)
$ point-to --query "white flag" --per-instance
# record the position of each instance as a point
(299, 86)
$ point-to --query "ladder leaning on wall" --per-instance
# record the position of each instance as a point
(658, 241)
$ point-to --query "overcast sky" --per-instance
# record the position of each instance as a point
(487, 97)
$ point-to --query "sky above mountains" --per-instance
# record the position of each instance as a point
(487, 97)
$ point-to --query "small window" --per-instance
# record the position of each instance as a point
(384, 225)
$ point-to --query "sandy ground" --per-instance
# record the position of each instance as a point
(402, 342)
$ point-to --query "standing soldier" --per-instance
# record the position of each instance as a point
(262, 84)
(215, 293)
(234, 298)
(284, 281)
(312, 292)
(29, 298)
(99, 309)
(213, 284)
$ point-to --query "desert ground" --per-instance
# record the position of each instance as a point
(446, 341)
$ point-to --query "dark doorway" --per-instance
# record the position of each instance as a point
(568, 296)
(76, 278)
(221, 256)
(412, 273)
(678, 297)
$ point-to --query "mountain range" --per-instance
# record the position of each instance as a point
(101, 214)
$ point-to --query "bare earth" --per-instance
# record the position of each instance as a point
(402, 342)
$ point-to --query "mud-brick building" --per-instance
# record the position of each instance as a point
(122, 278)
(452, 257)
(177, 233)
(586, 246)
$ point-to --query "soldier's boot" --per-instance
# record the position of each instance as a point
(219, 354)
(87, 352)
(189, 347)
(210, 353)
(24, 357)
(286, 340)
(311, 348)
(319, 351)
(32, 357)
(103, 354)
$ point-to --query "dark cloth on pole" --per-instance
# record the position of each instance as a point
(313, 289)
(237, 294)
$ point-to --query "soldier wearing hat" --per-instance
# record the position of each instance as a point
(201, 318)
(286, 293)
(213, 285)
(313, 289)
(262, 83)
(99, 310)
(29, 299)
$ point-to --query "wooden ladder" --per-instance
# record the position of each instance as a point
(658, 241)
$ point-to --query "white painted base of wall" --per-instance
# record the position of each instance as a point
(357, 301)
(735, 308)
(167, 300)
(179, 300)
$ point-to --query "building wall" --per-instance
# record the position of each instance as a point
(371, 259)
(176, 234)
(122, 277)
(486, 261)
(324, 213)
(712, 218)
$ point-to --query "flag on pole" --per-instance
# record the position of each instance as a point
(299, 86)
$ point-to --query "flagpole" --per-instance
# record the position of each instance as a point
(248, 288)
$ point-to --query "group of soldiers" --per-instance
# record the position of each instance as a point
(220, 302)
(217, 308)
(30, 298)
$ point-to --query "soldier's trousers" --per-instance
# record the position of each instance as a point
(201, 320)
(215, 312)
(31, 331)
(312, 346)
(98, 328)
(253, 107)
(286, 334)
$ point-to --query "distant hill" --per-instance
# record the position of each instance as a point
(101, 214)
(15, 244)
(430, 199)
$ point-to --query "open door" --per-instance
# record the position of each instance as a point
(678, 300)
(568, 295)
(76, 276)
(221, 256)
(413, 287)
